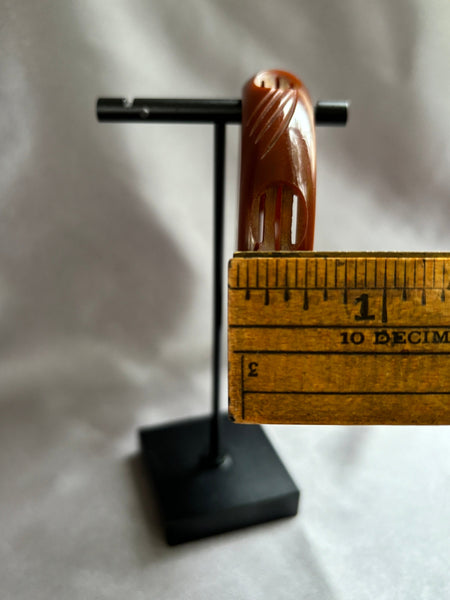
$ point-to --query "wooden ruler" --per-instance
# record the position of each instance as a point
(339, 338)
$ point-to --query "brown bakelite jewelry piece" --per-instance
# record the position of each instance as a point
(278, 165)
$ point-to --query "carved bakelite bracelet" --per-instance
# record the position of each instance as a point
(278, 165)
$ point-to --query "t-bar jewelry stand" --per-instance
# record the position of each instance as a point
(211, 476)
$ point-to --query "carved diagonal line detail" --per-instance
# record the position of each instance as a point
(262, 109)
(281, 128)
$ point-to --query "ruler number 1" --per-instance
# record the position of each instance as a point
(364, 309)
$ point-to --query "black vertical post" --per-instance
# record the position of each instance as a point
(216, 456)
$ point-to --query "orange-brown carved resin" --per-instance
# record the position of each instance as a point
(278, 165)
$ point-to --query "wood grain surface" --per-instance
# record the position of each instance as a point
(339, 338)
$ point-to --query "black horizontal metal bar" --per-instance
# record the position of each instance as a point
(161, 110)
(331, 112)
(178, 110)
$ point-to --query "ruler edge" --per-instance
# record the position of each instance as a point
(338, 254)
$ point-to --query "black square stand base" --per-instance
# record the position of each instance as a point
(197, 500)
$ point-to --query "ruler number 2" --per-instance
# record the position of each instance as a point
(252, 369)
(364, 308)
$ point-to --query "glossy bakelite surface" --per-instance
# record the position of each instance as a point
(278, 165)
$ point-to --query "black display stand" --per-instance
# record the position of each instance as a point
(197, 499)
(209, 475)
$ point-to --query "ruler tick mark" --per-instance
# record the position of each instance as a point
(286, 283)
(305, 297)
(404, 296)
(424, 296)
(443, 282)
(345, 282)
(247, 291)
(266, 293)
(384, 307)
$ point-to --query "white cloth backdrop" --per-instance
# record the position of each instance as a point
(105, 279)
